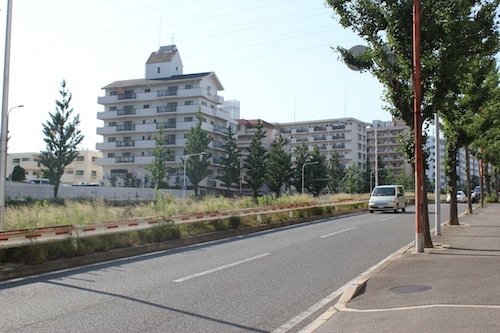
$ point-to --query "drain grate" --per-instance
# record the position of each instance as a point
(409, 289)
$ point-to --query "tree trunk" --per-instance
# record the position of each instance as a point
(453, 194)
(469, 185)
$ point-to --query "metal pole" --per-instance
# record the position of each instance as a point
(303, 166)
(184, 180)
(5, 114)
(419, 177)
(437, 186)
(376, 156)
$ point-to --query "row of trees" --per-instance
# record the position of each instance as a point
(309, 171)
(459, 76)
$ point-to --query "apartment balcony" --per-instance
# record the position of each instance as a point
(124, 159)
(128, 143)
(319, 137)
(125, 112)
(319, 128)
(166, 125)
(338, 136)
(125, 128)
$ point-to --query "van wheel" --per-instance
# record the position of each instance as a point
(403, 209)
(371, 211)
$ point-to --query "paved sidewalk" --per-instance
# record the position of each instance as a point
(454, 287)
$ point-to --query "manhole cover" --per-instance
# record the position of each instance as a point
(409, 289)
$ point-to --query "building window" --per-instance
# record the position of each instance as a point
(189, 103)
(113, 93)
(112, 139)
(145, 106)
(147, 90)
(80, 158)
(111, 155)
(16, 160)
(112, 124)
(188, 119)
(158, 70)
(25, 159)
(79, 173)
(94, 173)
(188, 86)
(94, 158)
(112, 108)
(69, 172)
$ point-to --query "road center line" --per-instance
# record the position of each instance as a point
(337, 232)
(186, 278)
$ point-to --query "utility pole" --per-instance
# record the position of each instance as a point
(419, 166)
(5, 113)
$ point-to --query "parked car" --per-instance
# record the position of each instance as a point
(387, 197)
(461, 197)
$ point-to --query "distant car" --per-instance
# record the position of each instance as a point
(387, 197)
(461, 197)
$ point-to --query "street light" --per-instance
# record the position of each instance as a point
(5, 103)
(3, 162)
(184, 180)
(376, 155)
(303, 166)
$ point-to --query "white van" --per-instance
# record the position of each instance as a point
(387, 197)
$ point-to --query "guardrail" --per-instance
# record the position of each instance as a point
(16, 238)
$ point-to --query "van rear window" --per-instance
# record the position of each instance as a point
(382, 192)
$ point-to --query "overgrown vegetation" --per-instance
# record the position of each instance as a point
(77, 212)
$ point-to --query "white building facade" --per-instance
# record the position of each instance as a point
(135, 110)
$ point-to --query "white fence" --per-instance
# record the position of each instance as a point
(20, 191)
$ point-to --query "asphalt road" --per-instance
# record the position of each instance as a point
(274, 281)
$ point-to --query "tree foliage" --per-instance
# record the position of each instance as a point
(336, 172)
(279, 166)
(158, 168)
(302, 156)
(316, 175)
(255, 162)
(196, 143)
(231, 160)
(18, 174)
(62, 137)
(352, 182)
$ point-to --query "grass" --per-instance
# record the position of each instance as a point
(82, 212)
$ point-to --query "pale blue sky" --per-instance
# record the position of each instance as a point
(273, 56)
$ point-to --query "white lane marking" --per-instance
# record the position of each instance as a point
(389, 218)
(186, 278)
(337, 232)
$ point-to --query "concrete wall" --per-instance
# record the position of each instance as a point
(19, 191)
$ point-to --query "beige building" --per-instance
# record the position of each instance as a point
(82, 170)
(346, 136)
(135, 110)
(388, 133)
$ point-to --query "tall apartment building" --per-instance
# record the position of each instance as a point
(82, 170)
(430, 173)
(387, 133)
(135, 110)
(346, 136)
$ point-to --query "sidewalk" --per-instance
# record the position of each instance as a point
(454, 287)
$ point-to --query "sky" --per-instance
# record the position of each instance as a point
(274, 56)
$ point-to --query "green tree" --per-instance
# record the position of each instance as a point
(316, 175)
(158, 168)
(197, 142)
(336, 172)
(302, 156)
(62, 137)
(352, 182)
(255, 162)
(405, 180)
(18, 174)
(230, 161)
(279, 166)
(451, 32)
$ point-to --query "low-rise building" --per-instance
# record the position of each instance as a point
(82, 170)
